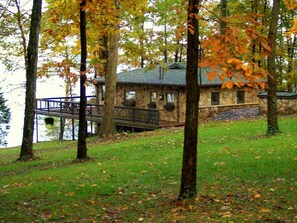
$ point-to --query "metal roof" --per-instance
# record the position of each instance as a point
(173, 74)
(280, 95)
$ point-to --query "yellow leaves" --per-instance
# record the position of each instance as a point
(291, 4)
(293, 29)
(265, 210)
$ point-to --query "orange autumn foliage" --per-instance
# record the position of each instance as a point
(230, 56)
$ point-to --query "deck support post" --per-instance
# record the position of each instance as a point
(91, 128)
(36, 121)
(73, 132)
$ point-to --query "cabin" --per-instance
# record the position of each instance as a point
(163, 88)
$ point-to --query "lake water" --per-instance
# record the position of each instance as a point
(13, 88)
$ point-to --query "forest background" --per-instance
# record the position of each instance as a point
(152, 33)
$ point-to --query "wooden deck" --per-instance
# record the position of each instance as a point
(68, 107)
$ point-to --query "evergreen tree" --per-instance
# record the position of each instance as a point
(4, 120)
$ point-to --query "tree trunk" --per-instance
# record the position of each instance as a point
(188, 177)
(31, 73)
(82, 130)
(291, 55)
(108, 121)
(223, 14)
(272, 120)
(62, 128)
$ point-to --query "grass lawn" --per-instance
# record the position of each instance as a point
(243, 176)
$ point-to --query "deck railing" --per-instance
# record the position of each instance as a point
(70, 106)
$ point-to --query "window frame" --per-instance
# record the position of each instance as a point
(240, 97)
(103, 91)
(151, 97)
(129, 99)
(172, 96)
(129, 102)
(215, 98)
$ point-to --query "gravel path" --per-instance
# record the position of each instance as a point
(237, 114)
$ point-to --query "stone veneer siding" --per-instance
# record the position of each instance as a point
(285, 106)
(228, 100)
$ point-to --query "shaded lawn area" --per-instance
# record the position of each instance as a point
(243, 176)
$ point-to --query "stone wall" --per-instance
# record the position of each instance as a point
(228, 100)
(285, 106)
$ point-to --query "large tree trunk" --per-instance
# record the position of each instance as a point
(188, 177)
(82, 130)
(272, 120)
(108, 121)
(31, 73)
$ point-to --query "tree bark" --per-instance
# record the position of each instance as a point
(108, 121)
(31, 74)
(272, 119)
(188, 177)
(223, 14)
(82, 130)
(291, 84)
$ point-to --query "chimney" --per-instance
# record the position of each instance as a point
(161, 73)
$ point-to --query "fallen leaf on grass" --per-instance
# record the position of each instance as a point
(125, 208)
(219, 163)
(264, 210)
(91, 202)
(226, 214)
(257, 195)
(71, 194)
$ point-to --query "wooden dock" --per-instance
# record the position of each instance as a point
(68, 107)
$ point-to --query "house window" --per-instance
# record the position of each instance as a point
(153, 100)
(153, 97)
(215, 98)
(240, 97)
(170, 98)
(130, 95)
(102, 92)
(130, 98)
(169, 102)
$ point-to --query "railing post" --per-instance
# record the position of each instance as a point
(133, 114)
(61, 106)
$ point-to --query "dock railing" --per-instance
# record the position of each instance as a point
(59, 106)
